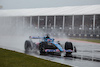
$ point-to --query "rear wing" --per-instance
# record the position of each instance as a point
(30, 37)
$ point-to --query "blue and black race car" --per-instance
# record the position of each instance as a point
(47, 45)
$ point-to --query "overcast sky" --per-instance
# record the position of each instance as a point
(19, 4)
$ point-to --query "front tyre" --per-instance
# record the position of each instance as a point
(42, 48)
(75, 50)
(68, 46)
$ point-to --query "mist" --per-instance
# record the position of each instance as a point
(16, 26)
(14, 31)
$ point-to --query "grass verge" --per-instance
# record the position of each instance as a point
(89, 40)
(10, 58)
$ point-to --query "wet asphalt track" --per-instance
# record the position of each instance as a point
(85, 49)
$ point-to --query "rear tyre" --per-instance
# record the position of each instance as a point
(27, 46)
(42, 48)
(68, 45)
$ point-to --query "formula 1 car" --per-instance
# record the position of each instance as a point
(47, 45)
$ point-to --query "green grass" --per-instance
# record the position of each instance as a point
(10, 58)
(89, 40)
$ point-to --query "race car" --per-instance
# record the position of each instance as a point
(47, 45)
